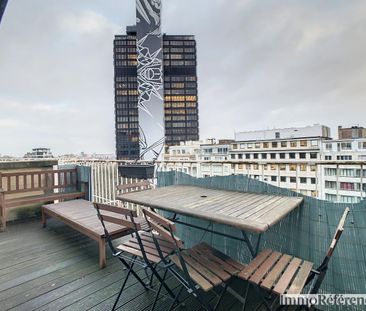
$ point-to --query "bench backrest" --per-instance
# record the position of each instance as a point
(42, 180)
(134, 186)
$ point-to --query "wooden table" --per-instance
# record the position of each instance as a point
(82, 216)
(253, 212)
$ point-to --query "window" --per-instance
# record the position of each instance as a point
(314, 143)
(303, 167)
(282, 167)
(264, 155)
(292, 155)
(273, 178)
(240, 156)
(313, 155)
(233, 156)
(347, 186)
(277, 135)
(273, 167)
(274, 144)
(255, 167)
(344, 146)
(330, 184)
(293, 167)
(328, 146)
(362, 145)
(284, 144)
(283, 178)
(235, 146)
(265, 145)
(328, 158)
(313, 181)
(312, 168)
(282, 155)
(293, 144)
(250, 146)
(255, 155)
(247, 156)
(330, 171)
(243, 146)
(293, 180)
(303, 180)
(302, 155)
(303, 143)
(257, 145)
(345, 158)
(331, 197)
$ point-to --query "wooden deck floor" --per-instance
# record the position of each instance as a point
(57, 269)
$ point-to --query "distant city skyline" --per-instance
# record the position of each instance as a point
(277, 65)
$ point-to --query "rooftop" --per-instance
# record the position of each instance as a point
(57, 268)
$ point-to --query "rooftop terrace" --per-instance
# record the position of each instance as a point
(57, 269)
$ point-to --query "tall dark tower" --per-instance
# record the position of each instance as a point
(142, 117)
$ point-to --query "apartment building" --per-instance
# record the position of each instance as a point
(285, 158)
(306, 160)
(343, 170)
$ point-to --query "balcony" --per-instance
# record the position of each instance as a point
(57, 267)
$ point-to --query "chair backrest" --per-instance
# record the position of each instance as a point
(322, 269)
(116, 215)
(164, 227)
(337, 234)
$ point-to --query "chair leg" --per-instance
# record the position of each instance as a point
(158, 292)
(203, 301)
(171, 294)
(221, 296)
(176, 298)
(245, 296)
(133, 272)
(123, 286)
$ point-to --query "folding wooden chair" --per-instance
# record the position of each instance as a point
(138, 250)
(278, 274)
(200, 268)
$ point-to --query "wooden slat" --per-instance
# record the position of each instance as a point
(210, 265)
(160, 219)
(210, 250)
(226, 266)
(195, 276)
(138, 253)
(6, 174)
(264, 268)
(201, 269)
(115, 209)
(166, 234)
(120, 221)
(162, 242)
(300, 279)
(276, 271)
(287, 276)
(254, 264)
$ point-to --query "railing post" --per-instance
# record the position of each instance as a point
(2, 209)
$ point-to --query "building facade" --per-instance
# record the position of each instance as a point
(305, 160)
(180, 92)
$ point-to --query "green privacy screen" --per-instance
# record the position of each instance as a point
(306, 232)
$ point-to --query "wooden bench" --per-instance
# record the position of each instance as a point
(25, 188)
(82, 216)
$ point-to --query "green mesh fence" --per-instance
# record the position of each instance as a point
(306, 232)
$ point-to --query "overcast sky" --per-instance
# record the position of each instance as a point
(261, 64)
